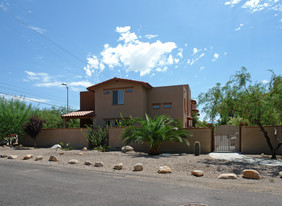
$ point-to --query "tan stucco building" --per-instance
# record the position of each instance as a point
(104, 102)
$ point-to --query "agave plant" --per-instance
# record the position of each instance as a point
(154, 132)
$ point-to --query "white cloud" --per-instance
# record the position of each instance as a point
(195, 51)
(232, 3)
(4, 6)
(49, 84)
(215, 56)
(93, 63)
(257, 5)
(37, 29)
(180, 54)
(45, 80)
(202, 68)
(193, 60)
(37, 76)
(122, 29)
(151, 36)
(265, 81)
(225, 53)
(239, 28)
(134, 55)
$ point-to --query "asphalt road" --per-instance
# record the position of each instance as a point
(30, 184)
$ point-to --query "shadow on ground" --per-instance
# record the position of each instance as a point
(238, 167)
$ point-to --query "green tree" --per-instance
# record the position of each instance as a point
(258, 103)
(33, 128)
(154, 132)
(53, 118)
(13, 113)
(214, 96)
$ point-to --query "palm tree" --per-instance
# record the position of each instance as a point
(154, 132)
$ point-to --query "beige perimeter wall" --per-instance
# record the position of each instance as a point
(49, 137)
(253, 141)
(203, 135)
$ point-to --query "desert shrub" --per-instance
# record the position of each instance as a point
(97, 137)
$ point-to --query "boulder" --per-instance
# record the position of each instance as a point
(197, 173)
(3, 145)
(127, 149)
(84, 149)
(56, 146)
(227, 176)
(280, 174)
(12, 157)
(39, 157)
(73, 161)
(28, 156)
(81, 153)
(138, 167)
(88, 162)
(53, 159)
(99, 164)
(4, 156)
(250, 174)
(164, 170)
(62, 153)
(118, 166)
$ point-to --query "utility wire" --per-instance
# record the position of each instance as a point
(28, 99)
(47, 39)
(25, 90)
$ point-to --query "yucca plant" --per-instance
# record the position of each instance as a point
(154, 132)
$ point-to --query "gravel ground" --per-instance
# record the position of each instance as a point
(181, 164)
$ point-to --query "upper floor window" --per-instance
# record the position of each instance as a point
(107, 92)
(167, 106)
(118, 97)
(129, 90)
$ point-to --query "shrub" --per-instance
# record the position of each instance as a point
(97, 137)
(33, 128)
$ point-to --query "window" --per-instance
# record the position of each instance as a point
(156, 106)
(129, 90)
(118, 97)
(107, 92)
(108, 123)
(167, 106)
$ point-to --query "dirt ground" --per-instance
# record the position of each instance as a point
(181, 165)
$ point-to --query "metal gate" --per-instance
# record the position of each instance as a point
(226, 138)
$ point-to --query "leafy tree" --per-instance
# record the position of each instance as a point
(214, 96)
(13, 113)
(154, 132)
(33, 128)
(258, 103)
(53, 118)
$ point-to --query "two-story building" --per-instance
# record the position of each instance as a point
(104, 102)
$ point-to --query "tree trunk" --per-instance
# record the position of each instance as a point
(34, 143)
(154, 150)
(273, 151)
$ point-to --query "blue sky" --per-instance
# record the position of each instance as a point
(195, 42)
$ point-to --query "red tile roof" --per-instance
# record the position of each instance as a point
(144, 84)
(80, 114)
